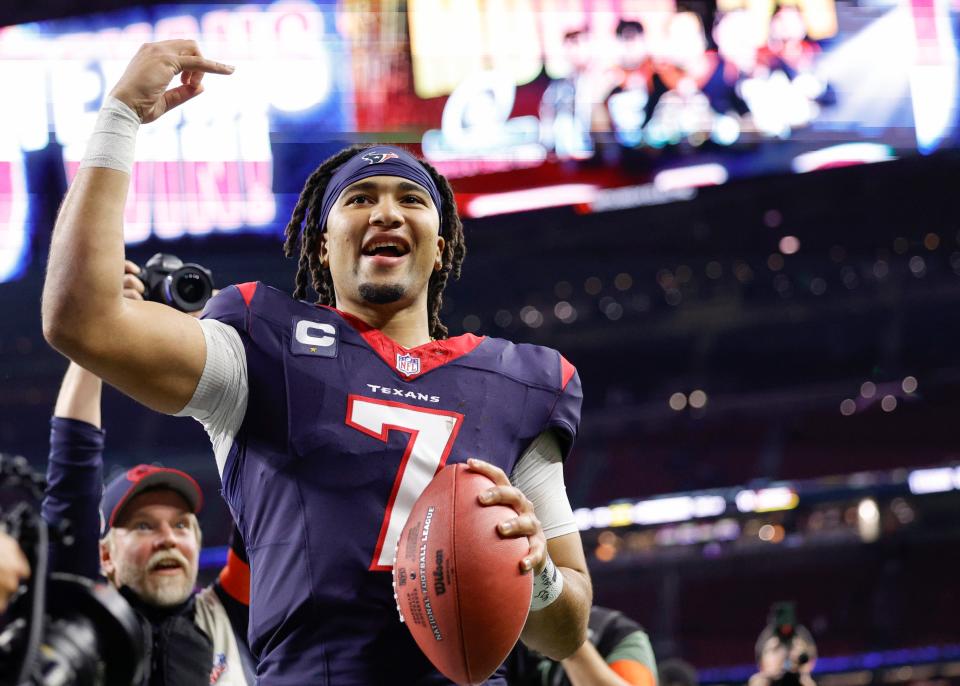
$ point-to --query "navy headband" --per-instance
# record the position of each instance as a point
(380, 160)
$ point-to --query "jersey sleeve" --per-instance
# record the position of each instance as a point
(625, 646)
(234, 578)
(74, 487)
(565, 415)
(220, 399)
(539, 475)
(633, 660)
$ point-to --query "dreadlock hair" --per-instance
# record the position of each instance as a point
(304, 229)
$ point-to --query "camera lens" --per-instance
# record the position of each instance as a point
(190, 288)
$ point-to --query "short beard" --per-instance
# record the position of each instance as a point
(381, 295)
(168, 593)
(158, 591)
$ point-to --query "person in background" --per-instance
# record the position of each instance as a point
(786, 655)
(617, 652)
(568, 104)
(788, 40)
(636, 86)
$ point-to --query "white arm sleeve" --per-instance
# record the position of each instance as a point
(539, 474)
(220, 400)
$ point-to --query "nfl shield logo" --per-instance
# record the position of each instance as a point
(408, 364)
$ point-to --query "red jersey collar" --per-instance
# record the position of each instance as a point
(410, 363)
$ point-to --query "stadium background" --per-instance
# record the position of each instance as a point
(767, 337)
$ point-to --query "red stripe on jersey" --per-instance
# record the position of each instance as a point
(431, 355)
(235, 578)
(247, 290)
(567, 371)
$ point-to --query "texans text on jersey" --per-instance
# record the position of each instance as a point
(399, 392)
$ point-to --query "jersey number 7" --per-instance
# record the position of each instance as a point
(432, 433)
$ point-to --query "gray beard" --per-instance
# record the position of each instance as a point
(381, 295)
(157, 592)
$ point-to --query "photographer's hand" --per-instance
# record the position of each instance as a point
(133, 287)
(13, 569)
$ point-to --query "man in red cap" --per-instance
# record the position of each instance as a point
(151, 541)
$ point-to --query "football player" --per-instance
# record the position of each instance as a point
(329, 419)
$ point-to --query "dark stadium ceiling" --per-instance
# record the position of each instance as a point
(21, 11)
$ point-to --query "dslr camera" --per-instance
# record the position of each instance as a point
(63, 630)
(186, 287)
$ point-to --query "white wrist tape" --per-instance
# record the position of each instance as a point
(547, 586)
(114, 138)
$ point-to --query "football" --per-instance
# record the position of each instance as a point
(457, 583)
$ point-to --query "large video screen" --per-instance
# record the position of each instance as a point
(596, 104)
(691, 91)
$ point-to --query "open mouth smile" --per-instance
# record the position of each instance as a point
(386, 250)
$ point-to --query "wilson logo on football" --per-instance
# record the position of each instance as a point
(408, 364)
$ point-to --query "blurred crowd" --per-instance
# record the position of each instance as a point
(747, 73)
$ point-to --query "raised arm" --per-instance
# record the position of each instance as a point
(149, 351)
(75, 474)
(79, 396)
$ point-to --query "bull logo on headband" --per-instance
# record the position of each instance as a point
(378, 157)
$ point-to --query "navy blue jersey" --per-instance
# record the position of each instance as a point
(342, 432)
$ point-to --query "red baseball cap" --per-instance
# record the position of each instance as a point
(142, 478)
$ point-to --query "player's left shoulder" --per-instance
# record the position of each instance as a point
(535, 365)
